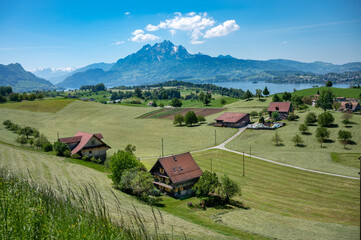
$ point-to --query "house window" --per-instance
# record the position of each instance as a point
(174, 170)
(161, 170)
(90, 152)
(181, 188)
(93, 142)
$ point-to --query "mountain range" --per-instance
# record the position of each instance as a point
(165, 61)
(14, 75)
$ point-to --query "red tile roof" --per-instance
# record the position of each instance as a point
(349, 105)
(83, 138)
(181, 167)
(279, 106)
(231, 117)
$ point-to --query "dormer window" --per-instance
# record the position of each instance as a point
(180, 168)
(93, 142)
(174, 170)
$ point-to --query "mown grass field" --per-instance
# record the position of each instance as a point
(47, 105)
(339, 92)
(348, 159)
(119, 126)
(310, 156)
(285, 203)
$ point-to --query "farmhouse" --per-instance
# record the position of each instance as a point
(232, 120)
(283, 108)
(350, 106)
(87, 144)
(176, 174)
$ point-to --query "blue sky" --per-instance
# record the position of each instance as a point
(77, 33)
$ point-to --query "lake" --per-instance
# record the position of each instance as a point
(272, 87)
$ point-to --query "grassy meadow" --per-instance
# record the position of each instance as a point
(119, 126)
(48, 105)
(339, 92)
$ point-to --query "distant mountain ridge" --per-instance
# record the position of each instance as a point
(14, 75)
(165, 61)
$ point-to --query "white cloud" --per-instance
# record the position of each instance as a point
(139, 36)
(118, 42)
(222, 29)
(284, 42)
(127, 13)
(197, 26)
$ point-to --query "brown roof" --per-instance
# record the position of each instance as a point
(279, 106)
(348, 105)
(180, 168)
(231, 117)
(83, 138)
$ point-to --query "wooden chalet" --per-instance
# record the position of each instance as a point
(283, 108)
(176, 175)
(87, 144)
(232, 120)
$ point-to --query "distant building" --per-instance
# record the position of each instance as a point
(350, 106)
(176, 175)
(340, 99)
(87, 144)
(150, 103)
(283, 108)
(232, 120)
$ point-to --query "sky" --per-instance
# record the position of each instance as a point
(62, 33)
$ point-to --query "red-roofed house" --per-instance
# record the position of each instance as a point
(176, 174)
(87, 144)
(352, 106)
(283, 108)
(232, 119)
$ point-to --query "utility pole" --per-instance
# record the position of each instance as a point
(162, 149)
(250, 151)
(243, 165)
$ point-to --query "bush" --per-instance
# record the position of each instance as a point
(201, 118)
(67, 153)
(297, 140)
(60, 148)
(85, 158)
(75, 156)
(47, 147)
(254, 114)
(291, 117)
(303, 128)
(275, 116)
(310, 118)
(325, 119)
(176, 102)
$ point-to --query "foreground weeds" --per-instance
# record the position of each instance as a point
(32, 211)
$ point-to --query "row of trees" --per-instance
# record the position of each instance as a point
(189, 119)
(7, 94)
(258, 93)
(94, 88)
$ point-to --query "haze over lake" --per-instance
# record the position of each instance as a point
(272, 87)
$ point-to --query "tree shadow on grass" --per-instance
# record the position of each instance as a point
(301, 145)
(350, 142)
(348, 126)
(238, 204)
(262, 100)
(333, 126)
(329, 141)
(307, 133)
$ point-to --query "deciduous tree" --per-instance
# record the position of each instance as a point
(322, 134)
(344, 137)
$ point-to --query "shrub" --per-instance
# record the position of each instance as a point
(201, 118)
(176, 102)
(325, 119)
(40, 141)
(291, 117)
(60, 148)
(254, 114)
(310, 118)
(47, 147)
(67, 153)
(277, 139)
(275, 116)
(161, 105)
(85, 158)
(303, 128)
(297, 140)
(75, 156)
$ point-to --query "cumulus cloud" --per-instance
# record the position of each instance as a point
(222, 29)
(139, 36)
(197, 25)
(127, 13)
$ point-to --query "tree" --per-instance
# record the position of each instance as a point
(119, 162)
(47, 147)
(303, 128)
(310, 118)
(307, 100)
(229, 188)
(247, 95)
(223, 101)
(201, 96)
(138, 92)
(207, 184)
(176, 102)
(322, 134)
(190, 118)
(266, 92)
(40, 141)
(277, 139)
(2, 99)
(276, 98)
(178, 119)
(328, 84)
(61, 148)
(297, 140)
(347, 115)
(207, 99)
(27, 131)
(154, 104)
(275, 116)
(22, 140)
(201, 118)
(296, 100)
(325, 100)
(259, 93)
(261, 120)
(286, 96)
(142, 183)
(344, 137)
(346, 122)
(325, 119)
(114, 96)
(130, 149)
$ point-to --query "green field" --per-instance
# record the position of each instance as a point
(339, 92)
(348, 159)
(283, 202)
(310, 156)
(119, 126)
(48, 105)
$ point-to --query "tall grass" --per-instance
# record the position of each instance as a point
(32, 211)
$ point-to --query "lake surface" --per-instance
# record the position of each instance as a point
(272, 87)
